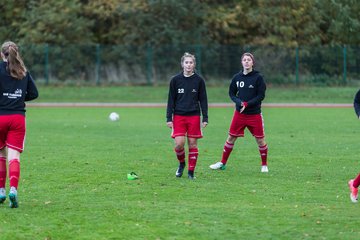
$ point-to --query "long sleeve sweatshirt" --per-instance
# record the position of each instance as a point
(187, 97)
(15, 92)
(248, 88)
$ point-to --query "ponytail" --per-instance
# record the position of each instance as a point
(15, 64)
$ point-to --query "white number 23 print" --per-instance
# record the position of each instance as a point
(181, 90)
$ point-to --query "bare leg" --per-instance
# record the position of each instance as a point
(179, 142)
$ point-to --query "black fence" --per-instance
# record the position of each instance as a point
(148, 65)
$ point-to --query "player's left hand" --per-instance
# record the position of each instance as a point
(204, 124)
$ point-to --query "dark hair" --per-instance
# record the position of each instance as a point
(15, 64)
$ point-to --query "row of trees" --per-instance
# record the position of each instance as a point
(286, 23)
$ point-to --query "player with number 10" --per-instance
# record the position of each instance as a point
(247, 91)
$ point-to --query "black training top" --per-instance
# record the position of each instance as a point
(248, 88)
(15, 92)
(357, 103)
(187, 95)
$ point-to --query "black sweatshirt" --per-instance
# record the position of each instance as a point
(15, 92)
(357, 103)
(187, 95)
(248, 88)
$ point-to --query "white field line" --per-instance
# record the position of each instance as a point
(211, 105)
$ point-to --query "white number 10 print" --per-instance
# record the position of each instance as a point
(240, 84)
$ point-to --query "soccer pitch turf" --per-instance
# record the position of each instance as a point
(74, 186)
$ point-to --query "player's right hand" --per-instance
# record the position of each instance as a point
(243, 106)
(242, 109)
(169, 124)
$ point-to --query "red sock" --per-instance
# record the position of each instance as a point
(2, 172)
(263, 154)
(356, 181)
(180, 154)
(193, 156)
(14, 172)
(228, 147)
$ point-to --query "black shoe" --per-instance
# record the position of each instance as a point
(191, 175)
(180, 170)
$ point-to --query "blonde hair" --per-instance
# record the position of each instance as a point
(186, 54)
(15, 65)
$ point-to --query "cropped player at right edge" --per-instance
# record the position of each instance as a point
(354, 183)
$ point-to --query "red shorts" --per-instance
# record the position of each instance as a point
(12, 131)
(254, 123)
(186, 126)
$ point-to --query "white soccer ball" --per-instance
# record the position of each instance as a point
(114, 116)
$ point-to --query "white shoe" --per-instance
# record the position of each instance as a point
(264, 169)
(218, 165)
(353, 192)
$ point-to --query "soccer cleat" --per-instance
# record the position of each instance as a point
(191, 175)
(264, 169)
(218, 165)
(353, 191)
(13, 198)
(180, 170)
(2, 195)
(132, 176)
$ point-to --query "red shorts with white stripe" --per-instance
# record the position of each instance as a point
(253, 122)
(186, 126)
(12, 131)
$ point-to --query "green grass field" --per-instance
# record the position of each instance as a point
(216, 94)
(74, 186)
